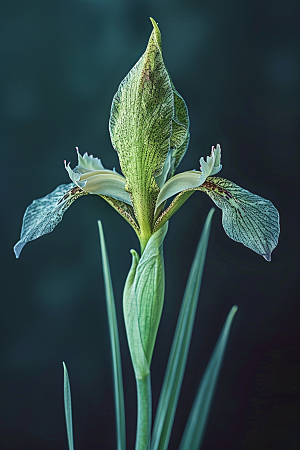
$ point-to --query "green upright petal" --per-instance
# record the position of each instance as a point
(143, 301)
(180, 130)
(180, 123)
(141, 127)
(247, 218)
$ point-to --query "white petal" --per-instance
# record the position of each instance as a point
(212, 165)
(217, 166)
(178, 183)
(88, 163)
(74, 176)
(108, 183)
(91, 176)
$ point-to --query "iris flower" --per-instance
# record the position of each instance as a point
(149, 129)
(247, 218)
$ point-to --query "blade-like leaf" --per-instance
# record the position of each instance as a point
(194, 430)
(115, 346)
(68, 408)
(179, 351)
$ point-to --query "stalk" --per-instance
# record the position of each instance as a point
(144, 403)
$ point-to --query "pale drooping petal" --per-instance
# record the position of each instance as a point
(247, 218)
(93, 178)
(42, 216)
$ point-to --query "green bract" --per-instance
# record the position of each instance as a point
(143, 301)
(149, 128)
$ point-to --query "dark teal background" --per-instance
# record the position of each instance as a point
(237, 65)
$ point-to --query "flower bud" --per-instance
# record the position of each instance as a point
(143, 301)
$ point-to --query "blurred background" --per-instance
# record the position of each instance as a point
(237, 65)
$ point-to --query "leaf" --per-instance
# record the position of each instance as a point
(115, 346)
(42, 216)
(246, 217)
(143, 301)
(194, 430)
(68, 408)
(177, 360)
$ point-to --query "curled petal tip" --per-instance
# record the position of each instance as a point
(77, 149)
(267, 256)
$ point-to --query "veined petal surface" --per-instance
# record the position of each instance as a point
(246, 217)
(180, 122)
(42, 216)
(141, 126)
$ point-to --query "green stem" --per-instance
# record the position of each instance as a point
(144, 402)
(143, 242)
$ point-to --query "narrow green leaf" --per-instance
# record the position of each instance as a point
(194, 430)
(68, 408)
(179, 351)
(115, 346)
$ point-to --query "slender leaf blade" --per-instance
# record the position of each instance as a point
(115, 345)
(177, 360)
(194, 430)
(68, 408)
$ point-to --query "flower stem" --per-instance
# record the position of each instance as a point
(144, 401)
(143, 243)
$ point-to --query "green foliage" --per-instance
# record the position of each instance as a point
(68, 408)
(115, 346)
(194, 430)
(177, 360)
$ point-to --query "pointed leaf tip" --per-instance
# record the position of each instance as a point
(68, 408)
(156, 32)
